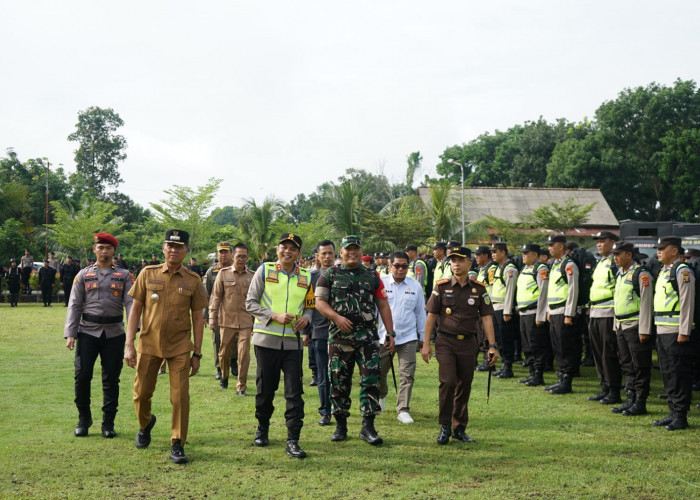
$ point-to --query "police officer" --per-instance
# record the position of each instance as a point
(674, 302)
(171, 298)
(633, 304)
(47, 278)
(14, 278)
(531, 300)
(349, 296)
(417, 268)
(602, 335)
(442, 268)
(95, 326)
(277, 298)
(27, 262)
(459, 303)
(562, 296)
(485, 271)
(503, 298)
(69, 270)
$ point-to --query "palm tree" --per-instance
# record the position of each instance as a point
(256, 224)
(344, 203)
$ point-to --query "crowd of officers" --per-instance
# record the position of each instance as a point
(354, 310)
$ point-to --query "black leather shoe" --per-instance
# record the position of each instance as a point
(444, 436)
(598, 397)
(177, 453)
(261, 435)
(234, 368)
(612, 398)
(81, 430)
(218, 374)
(241, 393)
(108, 431)
(223, 383)
(664, 421)
(324, 420)
(313, 382)
(143, 437)
(368, 433)
(679, 422)
(459, 434)
(293, 449)
(631, 399)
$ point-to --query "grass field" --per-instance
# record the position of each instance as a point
(529, 443)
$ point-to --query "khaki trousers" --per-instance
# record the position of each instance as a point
(240, 336)
(406, 356)
(145, 384)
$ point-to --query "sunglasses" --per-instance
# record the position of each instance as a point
(400, 266)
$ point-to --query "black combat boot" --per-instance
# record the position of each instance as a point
(444, 436)
(484, 366)
(537, 379)
(555, 384)
(261, 434)
(84, 421)
(367, 433)
(293, 449)
(108, 425)
(638, 408)
(664, 421)
(679, 422)
(223, 383)
(631, 399)
(527, 379)
(506, 371)
(564, 387)
(604, 389)
(612, 398)
(341, 429)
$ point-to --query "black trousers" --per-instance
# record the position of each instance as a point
(565, 344)
(605, 352)
(111, 352)
(46, 294)
(536, 344)
(505, 336)
(270, 363)
(67, 287)
(635, 360)
(675, 361)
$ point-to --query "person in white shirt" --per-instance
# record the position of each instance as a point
(407, 305)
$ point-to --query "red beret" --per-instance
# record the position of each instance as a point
(106, 238)
(367, 258)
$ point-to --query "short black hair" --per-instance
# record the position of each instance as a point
(242, 246)
(325, 243)
(398, 255)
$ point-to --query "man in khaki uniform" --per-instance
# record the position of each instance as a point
(227, 311)
(168, 300)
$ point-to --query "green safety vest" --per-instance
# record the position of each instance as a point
(498, 290)
(282, 294)
(603, 287)
(442, 270)
(558, 287)
(383, 270)
(528, 293)
(412, 271)
(626, 300)
(667, 308)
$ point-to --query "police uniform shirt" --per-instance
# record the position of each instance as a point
(459, 307)
(166, 324)
(407, 310)
(686, 299)
(541, 278)
(603, 312)
(510, 276)
(571, 270)
(646, 304)
(98, 292)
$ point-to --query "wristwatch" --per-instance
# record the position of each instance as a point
(493, 346)
(198, 356)
(391, 334)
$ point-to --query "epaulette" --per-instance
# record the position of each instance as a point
(479, 283)
(443, 280)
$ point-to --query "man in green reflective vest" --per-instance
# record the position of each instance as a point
(484, 274)
(442, 269)
(531, 300)
(600, 326)
(503, 298)
(633, 303)
(674, 302)
(417, 268)
(277, 298)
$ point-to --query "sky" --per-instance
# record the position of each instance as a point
(277, 97)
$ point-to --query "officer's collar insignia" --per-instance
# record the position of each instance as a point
(279, 267)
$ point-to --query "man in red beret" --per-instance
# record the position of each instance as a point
(95, 326)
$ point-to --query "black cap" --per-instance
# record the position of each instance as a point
(530, 247)
(623, 246)
(499, 246)
(177, 236)
(544, 251)
(556, 238)
(602, 235)
(290, 237)
(571, 245)
(46, 261)
(482, 249)
(440, 244)
(691, 253)
(411, 247)
(669, 240)
(13, 260)
(460, 252)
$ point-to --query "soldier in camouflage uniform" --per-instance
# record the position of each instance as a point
(349, 295)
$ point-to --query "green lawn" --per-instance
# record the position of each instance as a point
(529, 443)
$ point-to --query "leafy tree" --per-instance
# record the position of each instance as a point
(190, 210)
(399, 225)
(677, 182)
(74, 229)
(344, 202)
(131, 213)
(445, 214)
(100, 149)
(226, 215)
(560, 216)
(12, 240)
(256, 225)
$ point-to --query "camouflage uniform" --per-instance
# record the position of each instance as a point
(351, 293)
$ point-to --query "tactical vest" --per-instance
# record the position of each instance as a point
(383, 270)
(528, 293)
(486, 274)
(667, 309)
(603, 287)
(498, 290)
(283, 294)
(558, 287)
(626, 300)
(412, 271)
(352, 296)
(442, 270)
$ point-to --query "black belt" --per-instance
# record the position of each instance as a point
(460, 336)
(103, 320)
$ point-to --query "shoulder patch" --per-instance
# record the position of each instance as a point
(645, 280)
(686, 276)
(442, 281)
(570, 269)
(479, 283)
(543, 274)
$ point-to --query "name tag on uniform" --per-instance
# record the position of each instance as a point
(272, 277)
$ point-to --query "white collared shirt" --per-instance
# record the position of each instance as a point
(407, 305)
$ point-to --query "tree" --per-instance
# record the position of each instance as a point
(444, 213)
(100, 148)
(560, 217)
(344, 202)
(256, 225)
(190, 210)
(74, 229)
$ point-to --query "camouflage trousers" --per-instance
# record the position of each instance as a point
(341, 362)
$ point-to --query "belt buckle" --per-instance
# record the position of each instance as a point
(460, 337)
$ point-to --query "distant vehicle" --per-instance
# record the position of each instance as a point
(645, 235)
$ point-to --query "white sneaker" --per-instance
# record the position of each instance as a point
(382, 404)
(405, 418)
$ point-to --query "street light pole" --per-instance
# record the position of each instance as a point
(461, 169)
(48, 166)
